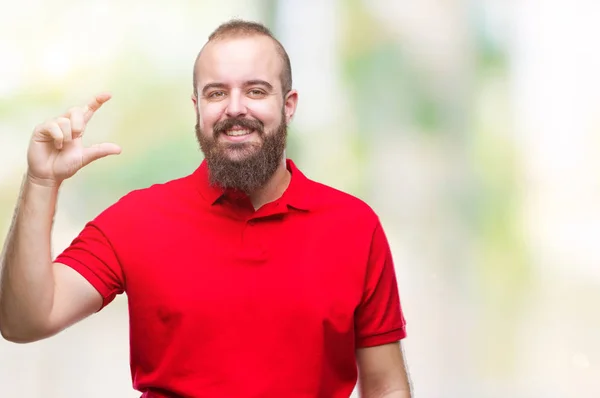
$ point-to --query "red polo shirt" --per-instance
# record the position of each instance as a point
(226, 301)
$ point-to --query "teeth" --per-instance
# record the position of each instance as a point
(235, 133)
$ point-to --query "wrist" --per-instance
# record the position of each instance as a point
(47, 183)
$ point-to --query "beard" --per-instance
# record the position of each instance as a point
(244, 166)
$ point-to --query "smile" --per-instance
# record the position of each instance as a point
(237, 132)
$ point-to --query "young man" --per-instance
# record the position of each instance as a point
(244, 278)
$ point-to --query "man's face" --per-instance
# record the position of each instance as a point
(241, 111)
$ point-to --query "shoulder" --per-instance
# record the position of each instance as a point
(341, 204)
(158, 191)
(142, 202)
(345, 221)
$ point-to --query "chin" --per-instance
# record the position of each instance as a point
(237, 156)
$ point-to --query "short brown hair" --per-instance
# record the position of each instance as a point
(237, 28)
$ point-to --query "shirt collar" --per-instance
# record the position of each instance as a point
(296, 195)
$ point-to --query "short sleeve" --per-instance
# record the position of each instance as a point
(379, 318)
(92, 255)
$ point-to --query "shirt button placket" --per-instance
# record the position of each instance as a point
(252, 249)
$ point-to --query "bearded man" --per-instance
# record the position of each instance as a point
(244, 278)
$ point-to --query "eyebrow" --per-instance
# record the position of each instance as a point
(258, 82)
(255, 82)
(210, 86)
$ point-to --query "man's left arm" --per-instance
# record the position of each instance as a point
(382, 372)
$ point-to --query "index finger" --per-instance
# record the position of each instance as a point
(94, 105)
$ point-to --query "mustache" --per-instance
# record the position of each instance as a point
(249, 124)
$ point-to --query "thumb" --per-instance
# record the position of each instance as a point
(98, 151)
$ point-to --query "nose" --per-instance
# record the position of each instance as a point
(236, 106)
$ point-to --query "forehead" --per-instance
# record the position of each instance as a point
(235, 60)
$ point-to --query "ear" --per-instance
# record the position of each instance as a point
(195, 101)
(290, 104)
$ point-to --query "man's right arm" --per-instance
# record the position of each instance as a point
(39, 298)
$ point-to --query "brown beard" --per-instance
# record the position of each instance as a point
(255, 163)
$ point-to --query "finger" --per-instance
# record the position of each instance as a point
(98, 151)
(75, 115)
(94, 105)
(52, 131)
(65, 125)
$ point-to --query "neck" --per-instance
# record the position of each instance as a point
(274, 188)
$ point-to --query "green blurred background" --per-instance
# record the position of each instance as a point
(471, 127)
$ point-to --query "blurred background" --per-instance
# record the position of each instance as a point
(471, 127)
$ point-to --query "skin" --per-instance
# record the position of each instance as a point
(382, 372)
(237, 77)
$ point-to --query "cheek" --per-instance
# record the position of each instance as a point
(268, 114)
(208, 116)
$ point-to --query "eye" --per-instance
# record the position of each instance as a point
(256, 93)
(216, 94)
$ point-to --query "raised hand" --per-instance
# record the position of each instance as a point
(56, 151)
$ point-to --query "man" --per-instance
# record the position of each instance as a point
(244, 278)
